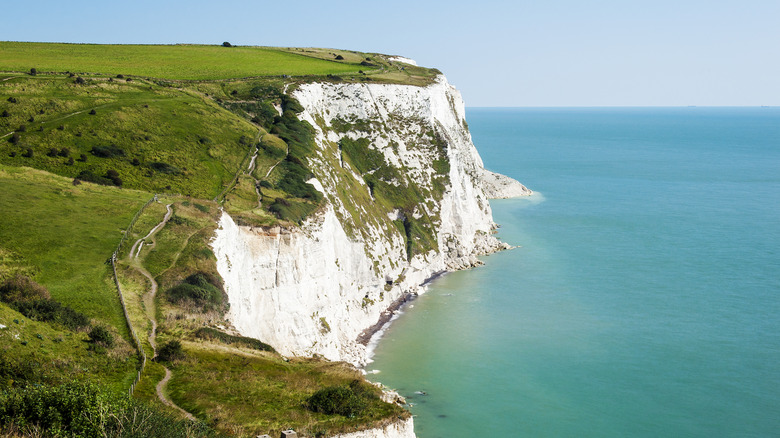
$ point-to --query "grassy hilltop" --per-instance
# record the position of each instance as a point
(88, 134)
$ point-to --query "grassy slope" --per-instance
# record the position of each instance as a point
(57, 354)
(150, 123)
(62, 235)
(190, 62)
(68, 233)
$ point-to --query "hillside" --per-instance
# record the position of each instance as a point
(86, 141)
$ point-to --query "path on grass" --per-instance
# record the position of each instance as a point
(151, 308)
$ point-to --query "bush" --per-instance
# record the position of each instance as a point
(171, 351)
(136, 162)
(53, 152)
(20, 288)
(80, 81)
(15, 137)
(22, 128)
(33, 71)
(100, 335)
(83, 158)
(92, 112)
(113, 175)
(5, 114)
(226, 44)
(64, 152)
(339, 57)
(88, 175)
(12, 99)
(84, 410)
(53, 311)
(28, 153)
(165, 168)
(337, 400)
(201, 289)
(111, 151)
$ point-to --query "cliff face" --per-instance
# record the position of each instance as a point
(386, 228)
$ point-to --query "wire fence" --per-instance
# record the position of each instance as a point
(136, 339)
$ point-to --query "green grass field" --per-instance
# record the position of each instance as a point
(66, 234)
(183, 62)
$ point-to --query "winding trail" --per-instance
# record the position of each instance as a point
(150, 308)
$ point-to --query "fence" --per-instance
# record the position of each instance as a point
(137, 341)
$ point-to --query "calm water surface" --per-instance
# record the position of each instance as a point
(644, 300)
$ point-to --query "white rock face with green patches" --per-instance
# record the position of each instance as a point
(398, 429)
(314, 289)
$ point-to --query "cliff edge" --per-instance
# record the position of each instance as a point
(406, 199)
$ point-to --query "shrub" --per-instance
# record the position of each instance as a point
(337, 400)
(226, 44)
(339, 57)
(61, 127)
(53, 152)
(120, 76)
(113, 175)
(85, 410)
(33, 71)
(89, 176)
(80, 81)
(83, 158)
(28, 153)
(22, 128)
(31, 119)
(70, 161)
(53, 311)
(12, 99)
(165, 168)
(171, 351)
(107, 151)
(15, 137)
(92, 112)
(201, 289)
(100, 335)
(64, 152)
(5, 114)
(21, 288)
(136, 162)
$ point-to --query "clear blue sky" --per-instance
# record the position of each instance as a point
(498, 53)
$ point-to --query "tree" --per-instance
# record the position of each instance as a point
(226, 44)
(33, 72)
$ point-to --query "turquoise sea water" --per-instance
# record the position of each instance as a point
(644, 301)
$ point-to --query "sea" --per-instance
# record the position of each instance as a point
(642, 299)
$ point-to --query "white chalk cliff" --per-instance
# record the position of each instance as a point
(314, 289)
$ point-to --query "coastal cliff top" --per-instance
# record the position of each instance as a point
(187, 62)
